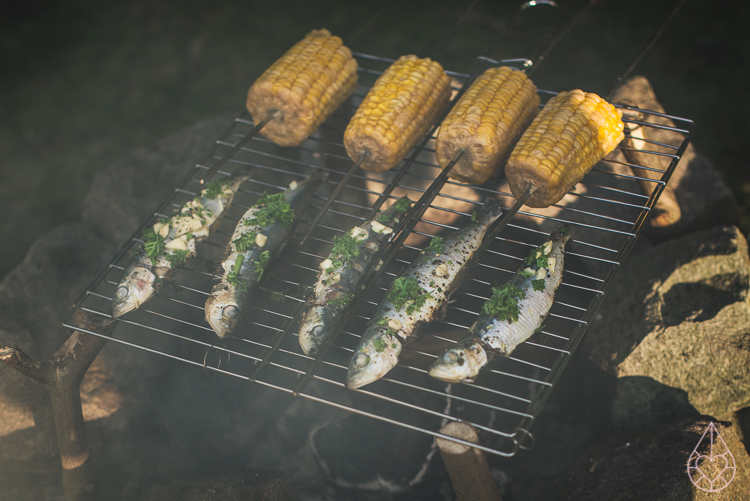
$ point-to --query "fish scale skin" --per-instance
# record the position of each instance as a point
(489, 336)
(504, 337)
(143, 278)
(323, 315)
(438, 275)
(225, 294)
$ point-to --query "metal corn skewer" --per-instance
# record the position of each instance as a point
(333, 196)
(237, 147)
(411, 219)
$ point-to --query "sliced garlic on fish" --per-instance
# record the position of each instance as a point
(358, 233)
(179, 244)
(380, 228)
(161, 229)
(442, 270)
(260, 240)
(394, 324)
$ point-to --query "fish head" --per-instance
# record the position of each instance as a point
(461, 362)
(375, 355)
(315, 328)
(137, 286)
(223, 310)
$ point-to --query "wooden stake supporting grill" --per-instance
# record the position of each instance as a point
(608, 210)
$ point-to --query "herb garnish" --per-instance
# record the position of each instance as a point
(563, 230)
(538, 284)
(474, 216)
(153, 245)
(344, 250)
(245, 241)
(503, 304)
(379, 345)
(273, 208)
(407, 290)
(177, 258)
(403, 204)
(215, 188)
(261, 263)
(234, 274)
(342, 300)
(541, 261)
(277, 297)
(436, 245)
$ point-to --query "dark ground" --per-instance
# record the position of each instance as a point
(83, 83)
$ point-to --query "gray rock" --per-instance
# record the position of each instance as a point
(37, 295)
(673, 333)
(654, 467)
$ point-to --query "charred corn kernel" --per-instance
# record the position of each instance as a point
(486, 123)
(304, 86)
(399, 109)
(573, 132)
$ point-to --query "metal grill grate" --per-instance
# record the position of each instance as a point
(608, 210)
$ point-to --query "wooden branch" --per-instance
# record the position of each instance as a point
(62, 373)
(467, 466)
(16, 359)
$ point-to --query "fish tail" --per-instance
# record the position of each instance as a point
(490, 211)
(563, 233)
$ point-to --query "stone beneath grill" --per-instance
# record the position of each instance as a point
(672, 336)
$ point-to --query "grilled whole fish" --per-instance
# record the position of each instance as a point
(260, 235)
(514, 312)
(420, 295)
(171, 241)
(353, 257)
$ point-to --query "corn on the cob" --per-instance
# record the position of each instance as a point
(486, 123)
(399, 109)
(574, 131)
(304, 86)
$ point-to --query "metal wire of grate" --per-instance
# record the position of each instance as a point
(608, 209)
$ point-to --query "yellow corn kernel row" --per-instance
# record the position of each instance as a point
(402, 105)
(573, 132)
(305, 86)
(486, 123)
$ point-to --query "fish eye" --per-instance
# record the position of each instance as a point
(318, 330)
(450, 357)
(230, 311)
(362, 360)
(122, 292)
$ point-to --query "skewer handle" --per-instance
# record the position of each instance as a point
(333, 196)
(467, 466)
(237, 147)
(501, 223)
